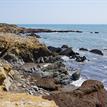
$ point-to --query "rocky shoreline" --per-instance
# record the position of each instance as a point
(30, 67)
(11, 28)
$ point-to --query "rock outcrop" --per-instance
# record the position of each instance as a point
(10, 28)
(96, 51)
(5, 75)
(83, 49)
(13, 47)
(90, 94)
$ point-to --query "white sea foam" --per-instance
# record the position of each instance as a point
(79, 82)
(105, 67)
(65, 58)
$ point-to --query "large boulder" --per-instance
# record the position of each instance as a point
(90, 94)
(75, 76)
(80, 59)
(47, 83)
(68, 52)
(96, 51)
(65, 46)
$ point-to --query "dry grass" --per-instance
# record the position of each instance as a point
(26, 47)
(12, 40)
(23, 100)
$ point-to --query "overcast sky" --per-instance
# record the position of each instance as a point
(53, 11)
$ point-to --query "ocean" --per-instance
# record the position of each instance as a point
(96, 67)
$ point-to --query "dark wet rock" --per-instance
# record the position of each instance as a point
(41, 52)
(80, 59)
(96, 32)
(76, 53)
(90, 94)
(54, 49)
(65, 46)
(33, 34)
(83, 49)
(67, 52)
(96, 51)
(75, 76)
(79, 31)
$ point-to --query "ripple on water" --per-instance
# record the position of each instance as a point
(95, 69)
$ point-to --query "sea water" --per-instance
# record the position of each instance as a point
(96, 67)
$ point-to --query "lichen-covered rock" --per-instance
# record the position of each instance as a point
(10, 28)
(27, 48)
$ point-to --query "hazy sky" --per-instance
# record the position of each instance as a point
(53, 11)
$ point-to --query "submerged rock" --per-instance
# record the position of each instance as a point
(80, 59)
(65, 46)
(67, 52)
(96, 51)
(83, 49)
(96, 32)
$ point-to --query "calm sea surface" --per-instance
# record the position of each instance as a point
(96, 68)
